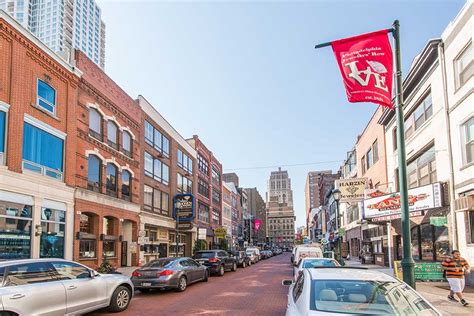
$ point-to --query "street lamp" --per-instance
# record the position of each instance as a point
(337, 196)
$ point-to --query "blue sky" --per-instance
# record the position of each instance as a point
(245, 77)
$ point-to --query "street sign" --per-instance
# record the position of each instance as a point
(202, 233)
(185, 225)
(220, 232)
(438, 220)
(183, 207)
(352, 190)
(424, 271)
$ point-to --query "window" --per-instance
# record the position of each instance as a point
(423, 111)
(52, 236)
(469, 140)
(184, 162)
(184, 185)
(422, 170)
(94, 178)
(127, 144)
(46, 97)
(216, 177)
(375, 150)
(149, 133)
(2, 131)
(362, 161)
(370, 158)
(148, 197)
(160, 171)
(298, 287)
(148, 165)
(112, 134)
(15, 230)
(470, 225)
(215, 216)
(126, 185)
(29, 273)
(155, 138)
(203, 188)
(464, 66)
(216, 196)
(71, 270)
(109, 249)
(203, 165)
(160, 202)
(394, 138)
(95, 124)
(42, 152)
(203, 213)
(111, 180)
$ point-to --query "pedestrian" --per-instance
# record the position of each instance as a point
(455, 267)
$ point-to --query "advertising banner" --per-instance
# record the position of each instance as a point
(352, 190)
(419, 199)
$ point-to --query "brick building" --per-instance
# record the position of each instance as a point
(209, 190)
(37, 93)
(107, 170)
(169, 168)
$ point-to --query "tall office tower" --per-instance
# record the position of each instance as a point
(279, 188)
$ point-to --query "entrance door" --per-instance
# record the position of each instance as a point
(124, 253)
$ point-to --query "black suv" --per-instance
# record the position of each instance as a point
(217, 261)
(242, 259)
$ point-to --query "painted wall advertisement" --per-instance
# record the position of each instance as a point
(421, 198)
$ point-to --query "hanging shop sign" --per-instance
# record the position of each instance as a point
(419, 199)
(220, 232)
(352, 190)
(183, 207)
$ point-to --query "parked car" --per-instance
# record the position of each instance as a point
(58, 287)
(217, 261)
(265, 254)
(252, 254)
(348, 291)
(169, 273)
(255, 250)
(242, 259)
(307, 263)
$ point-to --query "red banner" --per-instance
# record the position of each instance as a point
(257, 224)
(366, 65)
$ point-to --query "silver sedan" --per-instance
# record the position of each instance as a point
(59, 287)
(169, 273)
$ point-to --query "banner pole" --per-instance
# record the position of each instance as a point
(408, 265)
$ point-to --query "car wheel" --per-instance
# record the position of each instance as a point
(120, 299)
(182, 284)
(234, 267)
(206, 276)
(221, 271)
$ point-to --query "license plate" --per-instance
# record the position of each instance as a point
(146, 284)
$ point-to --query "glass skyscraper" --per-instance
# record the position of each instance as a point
(63, 24)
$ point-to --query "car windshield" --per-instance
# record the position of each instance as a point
(367, 297)
(160, 263)
(319, 263)
(205, 254)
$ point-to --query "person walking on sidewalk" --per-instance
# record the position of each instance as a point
(455, 267)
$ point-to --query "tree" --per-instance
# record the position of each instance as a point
(223, 244)
(199, 245)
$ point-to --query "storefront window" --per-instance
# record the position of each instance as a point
(15, 230)
(52, 236)
(415, 247)
(441, 242)
(87, 246)
(426, 242)
(109, 249)
(87, 249)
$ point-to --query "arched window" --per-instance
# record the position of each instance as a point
(95, 124)
(126, 185)
(127, 143)
(111, 179)
(94, 179)
(112, 134)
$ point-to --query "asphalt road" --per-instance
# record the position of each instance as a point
(255, 290)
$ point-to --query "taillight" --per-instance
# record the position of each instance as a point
(213, 260)
(136, 274)
(165, 273)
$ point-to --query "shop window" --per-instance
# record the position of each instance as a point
(53, 224)
(441, 240)
(94, 176)
(415, 247)
(111, 180)
(468, 128)
(46, 97)
(426, 237)
(127, 144)
(126, 185)
(470, 227)
(42, 152)
(15, 230)
(95, 124)
(109, 249)
(112, 135)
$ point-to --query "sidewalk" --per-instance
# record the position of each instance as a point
(435, 292)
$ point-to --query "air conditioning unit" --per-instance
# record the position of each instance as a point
(465, 203)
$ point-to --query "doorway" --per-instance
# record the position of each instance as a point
(123, 261)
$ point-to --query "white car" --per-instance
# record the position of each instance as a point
(353, 291)
(59, 287)
(307, 263)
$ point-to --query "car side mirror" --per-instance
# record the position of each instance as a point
(93, 274)
(287, 282)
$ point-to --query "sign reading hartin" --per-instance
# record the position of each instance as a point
(183, 207)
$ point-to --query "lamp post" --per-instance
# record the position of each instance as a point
(337, 196)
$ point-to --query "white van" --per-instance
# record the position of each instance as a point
(256, 253)
(303, 252)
